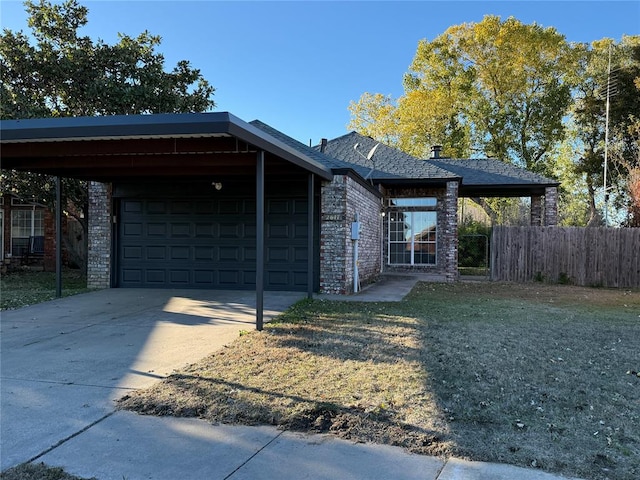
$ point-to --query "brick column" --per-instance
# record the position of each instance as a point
(551, 206)
(333, 236)
(450, 237)
(536, 210)
(99, 242)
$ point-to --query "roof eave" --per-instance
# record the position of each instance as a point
(153, 126)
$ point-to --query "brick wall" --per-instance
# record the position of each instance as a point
(340, 200)
(551, 206)
(99, 242)
(450, 232)
(536, 210)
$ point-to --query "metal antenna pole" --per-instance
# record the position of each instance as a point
(606, 143)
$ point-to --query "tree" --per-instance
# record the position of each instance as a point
(589, 114)
(61, 73)
(497, 88)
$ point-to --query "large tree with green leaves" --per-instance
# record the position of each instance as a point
(498, 88)
(55, 71)
(612, 70)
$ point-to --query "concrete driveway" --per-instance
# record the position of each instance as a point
(64, 362)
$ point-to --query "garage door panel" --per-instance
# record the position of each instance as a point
(205, 230)
(132, 229)
(204, 253)
(204, 243)
(277, 230)
(158, 252)
(156, 276)
(157, 229)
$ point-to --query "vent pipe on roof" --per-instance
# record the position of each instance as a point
(435, 151)
(323, 144)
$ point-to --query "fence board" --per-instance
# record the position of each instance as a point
(608, 257)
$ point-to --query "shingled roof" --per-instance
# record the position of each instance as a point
(488, 177)
(333, 163)
(388, 163)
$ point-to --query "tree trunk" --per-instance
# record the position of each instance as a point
(595, 219)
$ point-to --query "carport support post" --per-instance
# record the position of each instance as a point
(310, 253)
(259, 239)
(58, 213)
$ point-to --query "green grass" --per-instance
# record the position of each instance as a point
(533, 375)
(24, 287)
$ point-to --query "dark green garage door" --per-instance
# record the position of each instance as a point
(204, 243)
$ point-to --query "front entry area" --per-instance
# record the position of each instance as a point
(209, 241)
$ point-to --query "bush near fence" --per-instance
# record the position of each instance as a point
(604, 257)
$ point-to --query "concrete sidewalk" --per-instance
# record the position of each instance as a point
(127, 445)
(64, 362)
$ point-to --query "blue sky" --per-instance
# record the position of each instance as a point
(297, 65)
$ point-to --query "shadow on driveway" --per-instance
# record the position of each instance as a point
(64, 362)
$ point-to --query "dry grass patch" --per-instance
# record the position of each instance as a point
(37, 471)
(356, 375)
(534, 375)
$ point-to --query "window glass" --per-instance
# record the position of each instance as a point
(413, 202)
(412, 237)
(24, 224)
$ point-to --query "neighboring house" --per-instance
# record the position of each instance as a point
(210, 201)
(22, 223)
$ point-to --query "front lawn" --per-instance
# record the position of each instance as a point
(28, 287)
(533, 375)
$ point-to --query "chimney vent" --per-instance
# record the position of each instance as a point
(323, 144)
(435, 151)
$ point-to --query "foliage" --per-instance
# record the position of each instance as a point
(65, 74)
(573, 197)
(517, 92)
(589, 114)
(473, 244)
(56, 72)
(496, 87)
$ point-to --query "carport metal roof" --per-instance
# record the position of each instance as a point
(110, 148)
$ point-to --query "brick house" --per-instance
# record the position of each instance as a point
(211, 201)
(24, 224)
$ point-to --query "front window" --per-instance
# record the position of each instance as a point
(412, 231)
(25, 224)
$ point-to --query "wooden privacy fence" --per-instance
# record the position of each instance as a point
(607, 257)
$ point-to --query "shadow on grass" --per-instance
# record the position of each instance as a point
(536, 376)
(531, 376)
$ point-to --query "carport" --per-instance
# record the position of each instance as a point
(192, 200)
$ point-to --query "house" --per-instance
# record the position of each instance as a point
(210, 201)
(22, 223)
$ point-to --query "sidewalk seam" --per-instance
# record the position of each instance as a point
(252, 456)
(444, 464)
(73, 435)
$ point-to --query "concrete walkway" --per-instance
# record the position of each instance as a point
(64, 362)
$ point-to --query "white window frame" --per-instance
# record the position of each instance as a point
(409, 206)
(35, 228)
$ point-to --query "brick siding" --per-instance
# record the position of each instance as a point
(342, 198)
(100, 228)
(551, 206)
